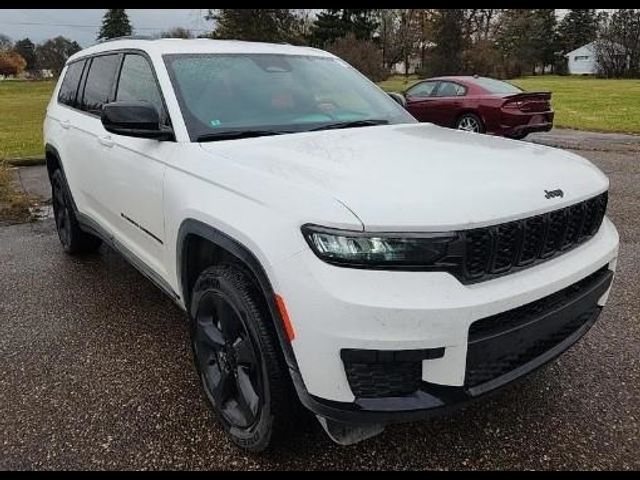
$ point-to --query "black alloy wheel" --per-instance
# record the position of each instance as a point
(228, 362)
(239, 360)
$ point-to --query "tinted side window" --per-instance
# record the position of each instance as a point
(450, 89)
(137, 84)
(69, 87)
(99, 85)
(423, 89)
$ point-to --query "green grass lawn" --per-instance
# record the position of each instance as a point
(22, 109)
(583, 103)
(398, 83)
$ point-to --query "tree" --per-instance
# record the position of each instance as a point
(305, 20)
(480, 23)
(363, 55)
(27, 50)
(334, 23)
(115, 23)
(255, 24)
(618, 46)
(53, 53)
(177, 32)
(577, 28)
(449, 42)
(544, 37)
(11, 63)
(512, 42)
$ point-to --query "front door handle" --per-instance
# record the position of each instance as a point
(65, 124)
(106, 141)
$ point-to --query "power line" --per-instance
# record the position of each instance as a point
(69, 25)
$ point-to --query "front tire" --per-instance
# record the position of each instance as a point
(470, 122)
(71, 236)
(519, 136)
(237, 357)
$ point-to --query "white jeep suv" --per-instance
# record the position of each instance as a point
(329, 250)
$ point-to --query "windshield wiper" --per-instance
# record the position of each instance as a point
(351, 124)
(237, 134)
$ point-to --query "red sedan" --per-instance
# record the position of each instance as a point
(480, 104)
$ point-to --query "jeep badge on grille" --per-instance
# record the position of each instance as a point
(553, 193)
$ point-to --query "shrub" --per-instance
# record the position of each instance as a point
(11, 64)
(364, 55)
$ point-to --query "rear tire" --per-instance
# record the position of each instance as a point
(470, 122)
(71, 236)
(238, 358)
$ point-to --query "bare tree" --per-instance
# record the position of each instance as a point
(177, 32)
(401, 35)
(618, 45)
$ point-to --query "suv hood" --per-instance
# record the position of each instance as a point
(420, 177)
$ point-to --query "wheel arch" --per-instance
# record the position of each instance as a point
(54, 162)
(468, 110)
(52, 158)
(200, 245)
(473, 111)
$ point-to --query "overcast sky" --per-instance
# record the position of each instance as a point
(82, 25)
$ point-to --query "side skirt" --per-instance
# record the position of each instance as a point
(90, 226)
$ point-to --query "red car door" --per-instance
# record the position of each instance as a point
(419, 100)
(446, 103)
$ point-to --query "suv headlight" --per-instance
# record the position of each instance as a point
(378, 250)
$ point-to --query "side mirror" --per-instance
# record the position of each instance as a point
(134, 119)
(399, 98)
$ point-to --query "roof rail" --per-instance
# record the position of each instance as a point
(127, 37)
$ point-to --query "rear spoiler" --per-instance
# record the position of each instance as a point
(524, 96)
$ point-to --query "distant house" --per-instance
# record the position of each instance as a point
(414, 65)
(582, 61)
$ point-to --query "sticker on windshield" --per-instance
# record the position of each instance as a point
(215, 123)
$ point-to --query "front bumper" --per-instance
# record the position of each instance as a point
(336, 309)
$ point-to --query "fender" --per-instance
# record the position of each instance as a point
(231, 245)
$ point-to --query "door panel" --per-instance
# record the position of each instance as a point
(447, 103)
(137, 169)
(419, 100)
(96, 179)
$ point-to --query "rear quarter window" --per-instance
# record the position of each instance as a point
(69, 87)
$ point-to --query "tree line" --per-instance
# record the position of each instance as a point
(503, 43)
(25, 56)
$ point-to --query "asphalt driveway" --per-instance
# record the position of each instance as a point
(96, 373)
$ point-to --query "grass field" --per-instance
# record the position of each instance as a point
(22, 106)
(583, 103)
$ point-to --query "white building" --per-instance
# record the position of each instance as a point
(582, 61)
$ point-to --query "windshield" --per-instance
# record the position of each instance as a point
(497, 86)
(221, 95)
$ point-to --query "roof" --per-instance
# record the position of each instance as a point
(199, 45)
(589, 46)
(455, 77)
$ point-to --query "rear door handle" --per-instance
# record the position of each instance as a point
(65, 124)
(106, 141)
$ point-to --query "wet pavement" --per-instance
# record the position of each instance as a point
(96, 373)
(594, 141)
